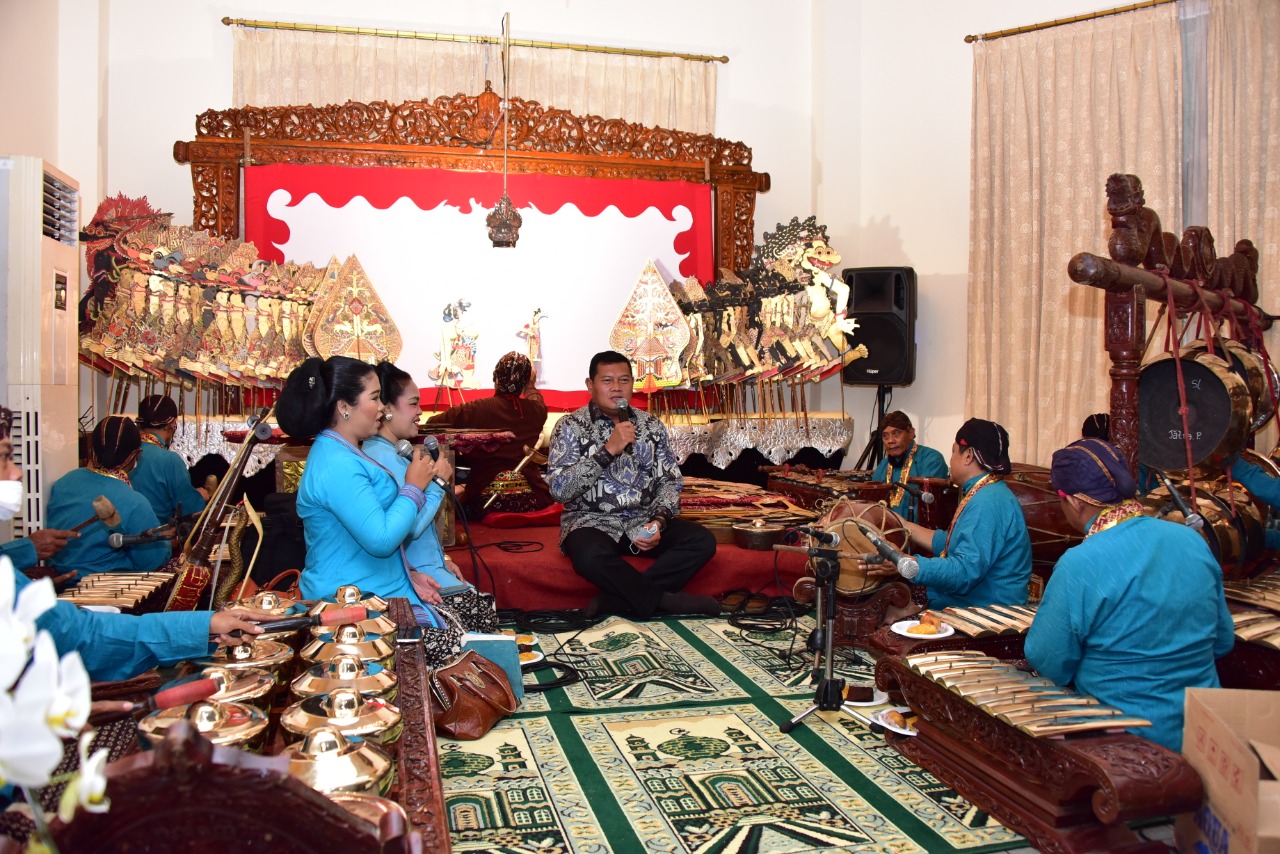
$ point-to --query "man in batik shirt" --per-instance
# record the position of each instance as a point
(615, 472)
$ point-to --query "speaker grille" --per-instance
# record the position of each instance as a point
(883, 301)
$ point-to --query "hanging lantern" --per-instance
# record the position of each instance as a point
(504, 221)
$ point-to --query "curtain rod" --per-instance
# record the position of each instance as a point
(449, 37)
(1031, 28)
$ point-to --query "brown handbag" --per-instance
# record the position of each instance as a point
(471, 694)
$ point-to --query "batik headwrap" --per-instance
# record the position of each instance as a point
(157, 410)
(898, 420)
(511, 374)
(1097, 426)
(1093, 471)
(114, 439)
(989, 443)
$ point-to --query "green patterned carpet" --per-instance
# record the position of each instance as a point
(671, 744)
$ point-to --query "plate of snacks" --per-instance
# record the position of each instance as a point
(899, 719)
(864, 695)
(928, 626)
(531, 657)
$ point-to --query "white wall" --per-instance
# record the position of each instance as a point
(860, 112)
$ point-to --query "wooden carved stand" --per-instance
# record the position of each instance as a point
(460, 133)
(858, 617)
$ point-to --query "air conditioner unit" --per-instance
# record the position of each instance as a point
(39, 288)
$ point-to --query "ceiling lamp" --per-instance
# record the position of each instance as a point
(504, 220)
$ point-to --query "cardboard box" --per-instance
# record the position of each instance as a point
(1232, 738)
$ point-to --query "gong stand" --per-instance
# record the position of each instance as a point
(1127, 290)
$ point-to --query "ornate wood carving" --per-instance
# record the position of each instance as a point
(1064, 795)
(461, 132)
(418, 757)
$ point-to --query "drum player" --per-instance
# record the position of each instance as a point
(984, 557)
(905, 458)
(1135, 614)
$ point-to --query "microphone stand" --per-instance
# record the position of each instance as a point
(829, 695)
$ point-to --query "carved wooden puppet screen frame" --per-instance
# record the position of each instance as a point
(463, 133)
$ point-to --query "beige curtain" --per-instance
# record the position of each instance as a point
(1054, 113)
(1244, 142)
(284, 67)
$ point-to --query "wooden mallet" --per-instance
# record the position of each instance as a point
(103, 511)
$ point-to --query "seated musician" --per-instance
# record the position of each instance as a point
(435, 577)
(116, 445)
(25, 552)
(161, 474)
(616, 473)
(904, 458)
(517, 407)
(1135, 614)
(984, 557)
(355, 515)
(1261, 486)
(114, 646)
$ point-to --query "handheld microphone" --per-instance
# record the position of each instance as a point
(925, 497)
(1192, 520)
(624, 408)
(430, 444)
(823, 538)
(119, 541)
(906, 565)
(404, 448)
(332, 617)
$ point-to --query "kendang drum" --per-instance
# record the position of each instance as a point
(1218, 416)
(938, 513)
(1050, 533)
(1232, 526)
(854, 543)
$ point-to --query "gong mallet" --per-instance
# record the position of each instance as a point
(528, 456)
(179, 695)
(103, 511)
(332, 617)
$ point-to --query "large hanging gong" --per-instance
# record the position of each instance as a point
(1218, 414)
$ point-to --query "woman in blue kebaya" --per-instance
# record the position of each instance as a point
(434, 575)
(355, 515)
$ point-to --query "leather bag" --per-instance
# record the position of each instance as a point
(470, 695)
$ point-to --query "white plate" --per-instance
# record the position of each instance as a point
(102, 609)
(901, 627)
(878, 717)
(878, 698)
(534, 657)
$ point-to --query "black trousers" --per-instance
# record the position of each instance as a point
(685, 548)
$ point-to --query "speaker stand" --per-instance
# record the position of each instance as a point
(874, 451)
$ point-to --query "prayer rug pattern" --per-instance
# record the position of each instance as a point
(671, 744)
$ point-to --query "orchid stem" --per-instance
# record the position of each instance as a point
(32, 794)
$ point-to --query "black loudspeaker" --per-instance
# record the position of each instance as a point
(883, 301)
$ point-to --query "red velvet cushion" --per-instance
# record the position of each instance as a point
(544, 518)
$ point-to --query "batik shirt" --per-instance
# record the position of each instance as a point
(613, 494)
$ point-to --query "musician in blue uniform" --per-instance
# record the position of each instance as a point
(161, 474)
(25, 552)
(905, 458)
(984, 557)
(1135, 614)
(113, 646)
(355, 515)
(1264, 487)
(116, 446)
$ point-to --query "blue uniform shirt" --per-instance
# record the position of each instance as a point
(71, 502)
(926, 463)
(1134, 616)
(355, 521)
(989, 559)
(161, 477)
(423, 549)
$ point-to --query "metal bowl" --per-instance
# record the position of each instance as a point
(347, 671)
(328, 762)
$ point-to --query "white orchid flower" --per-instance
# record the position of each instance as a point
(69, 706)
(88, 789)
(29, 749)
(18, 620)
